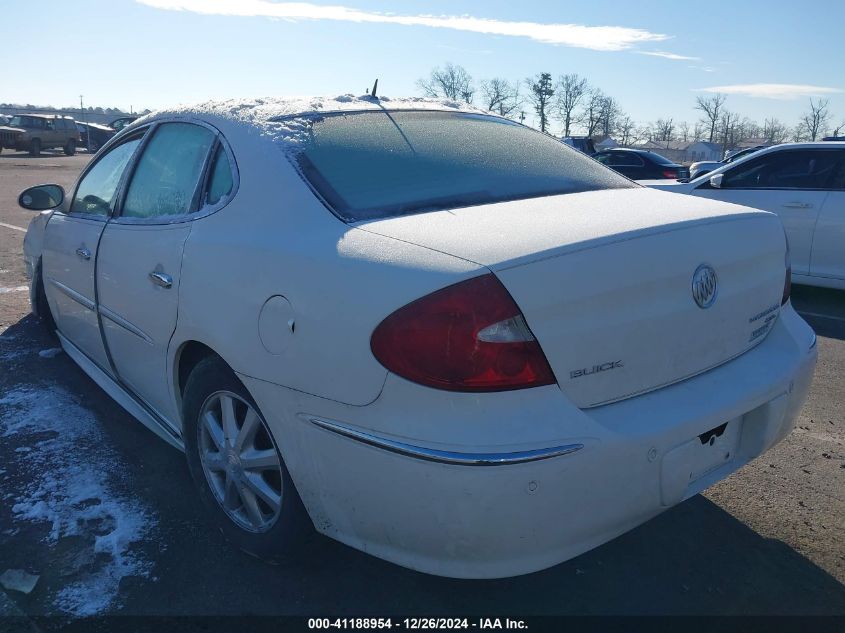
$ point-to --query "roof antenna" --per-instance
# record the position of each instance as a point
(375, 87)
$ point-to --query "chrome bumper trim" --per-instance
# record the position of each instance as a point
(446, 457)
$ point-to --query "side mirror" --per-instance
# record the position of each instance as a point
(41, 197)
(716, 181)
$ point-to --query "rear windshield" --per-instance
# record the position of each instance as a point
(370, 165)
(660, 160)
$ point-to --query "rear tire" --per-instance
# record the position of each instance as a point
(35, 147)
(272, 531)
(70, 147)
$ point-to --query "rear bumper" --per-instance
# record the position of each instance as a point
(635, 459)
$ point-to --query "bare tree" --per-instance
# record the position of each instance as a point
(664, 130)
(608, 115)
(683, 131)
(451, 81)
(540, 95)
(570, 92)
(501, 96)
(838, 129)
(698, 131)
(593, 114)
(774, 131)
(626, 130)
(815, 120)
(711, 109)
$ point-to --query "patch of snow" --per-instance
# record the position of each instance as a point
(50, 353)
(70, 488)
(4, 290)
(286, 122)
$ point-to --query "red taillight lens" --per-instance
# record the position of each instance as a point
(670, 173)
(467, 337)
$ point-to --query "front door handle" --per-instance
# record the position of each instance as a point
(798, 205)
(84, 253)
(162, 279)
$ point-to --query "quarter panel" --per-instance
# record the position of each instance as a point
(276, 239)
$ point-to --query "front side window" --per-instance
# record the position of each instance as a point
(168, 172)
(371, 165)
(95, 193)
(784, 170)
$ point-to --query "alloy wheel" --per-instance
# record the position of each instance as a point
(240, 461)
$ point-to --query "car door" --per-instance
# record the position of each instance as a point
(69, 251)
(140, 258)
(828, 257)
(791, 183)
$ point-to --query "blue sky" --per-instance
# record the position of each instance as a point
(152, 53)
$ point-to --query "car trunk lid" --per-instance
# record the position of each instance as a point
(605, 280)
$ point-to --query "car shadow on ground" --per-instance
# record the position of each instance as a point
(822, 308)
(693, 559)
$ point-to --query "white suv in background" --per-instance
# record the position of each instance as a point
(803, 183)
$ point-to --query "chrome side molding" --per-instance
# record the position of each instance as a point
(445, 457)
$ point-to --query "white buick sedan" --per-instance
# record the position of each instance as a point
(804, 184)
(433, 334)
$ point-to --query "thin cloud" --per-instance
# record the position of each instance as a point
(673, 56)
(773, 91)
(599, 38)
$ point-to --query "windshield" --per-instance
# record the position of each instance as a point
(20, 121)
(370, 165)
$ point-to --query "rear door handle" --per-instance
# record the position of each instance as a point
(797, 205)
(84, 253)
(162, 279)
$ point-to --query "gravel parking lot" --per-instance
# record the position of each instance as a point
(105, 513)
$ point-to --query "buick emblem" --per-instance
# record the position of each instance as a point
(704, 286)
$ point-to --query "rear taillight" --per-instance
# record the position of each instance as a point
(670, 173)
(787, 283)
(467, 337)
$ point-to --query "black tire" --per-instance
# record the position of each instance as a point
(293, 528)
(45, 315)
(70, 147)
(35, 147)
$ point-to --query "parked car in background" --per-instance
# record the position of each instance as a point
(34, 132)
(804, 184)
(705, 166)
(118, 124)
(641, 164)
(99, 135)
(834, 138)
(470, 351)
(581, 143)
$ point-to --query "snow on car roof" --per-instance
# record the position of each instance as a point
(284, 120)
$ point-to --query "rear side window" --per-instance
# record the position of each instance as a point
(166, 178)
(784, 170)
(371, 165)
(95, 192)
(220, 183)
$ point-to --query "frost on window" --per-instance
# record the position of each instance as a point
(379, 164)
(165, 180)
(96, 191)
